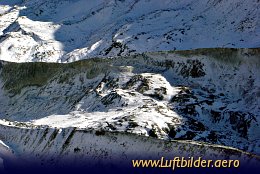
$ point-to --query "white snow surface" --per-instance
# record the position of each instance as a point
(66, 31)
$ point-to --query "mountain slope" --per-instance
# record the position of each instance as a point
(54, 149)
(187, 95)
(49, 31)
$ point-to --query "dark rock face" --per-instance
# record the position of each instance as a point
(195, 125)
(241, 122)
(158, 93)
(216, 116)
(213, 137)
(152, 133)
(193, 68)
(142, 83)
(109, 99)
(172, 133)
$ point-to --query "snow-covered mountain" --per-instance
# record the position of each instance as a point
(70, 30)
(183, 95)
(81, 78)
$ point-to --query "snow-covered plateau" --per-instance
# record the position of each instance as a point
(113, 80)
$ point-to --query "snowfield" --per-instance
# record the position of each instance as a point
(49, 31)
